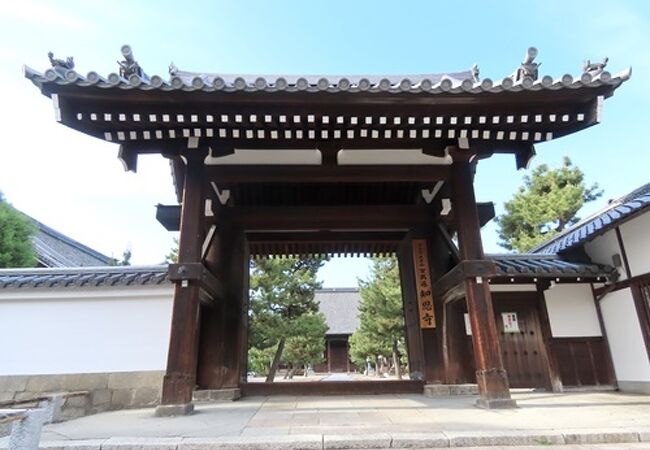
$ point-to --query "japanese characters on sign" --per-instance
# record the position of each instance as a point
(424, 288)
(510, 322)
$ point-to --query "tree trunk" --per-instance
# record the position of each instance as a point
(276, 361)
(292, 372)
(396, 361)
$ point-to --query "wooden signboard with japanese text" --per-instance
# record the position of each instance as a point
(424, 287)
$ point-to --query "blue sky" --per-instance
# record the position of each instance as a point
(76, 185)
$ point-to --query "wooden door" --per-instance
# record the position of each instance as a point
(338, 356)
(522, 346)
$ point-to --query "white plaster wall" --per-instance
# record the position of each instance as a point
(625, 338)
(636, 239)
(56, 331)
(572, 311)
(601, 250)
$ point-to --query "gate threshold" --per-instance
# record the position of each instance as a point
(333, 388)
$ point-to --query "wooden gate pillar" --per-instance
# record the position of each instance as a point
(224, 325)
(491, 376)
(180, 378)
(424, 346)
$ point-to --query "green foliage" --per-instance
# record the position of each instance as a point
(306, 343)
(16, 231)
(172, 256)
(259, 360)
(545, 205)
(282, 306)
(381, 314)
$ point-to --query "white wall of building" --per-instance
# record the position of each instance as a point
(626, 343)
(55, 331)
(572, 311)
(636, 239)
(601, 250)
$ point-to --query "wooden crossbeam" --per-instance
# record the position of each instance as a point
(326, 174)
(197, 272)
(454, 279)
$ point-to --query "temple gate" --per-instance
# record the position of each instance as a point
(290, 165)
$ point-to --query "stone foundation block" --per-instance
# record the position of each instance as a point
(122, 398)
(101, 397)
(445, 390)
(146, 396)
(174, 410)
(496, 403)
(131, 380)
(214, 395)
(463, 389)
(13, 383)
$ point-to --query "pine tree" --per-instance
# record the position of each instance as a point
(545, 205)
(282, 292)
(381, 314)
(16, 231)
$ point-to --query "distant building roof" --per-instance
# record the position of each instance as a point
(341, 309)
(54, 249)
(616, 212)
(70, 277)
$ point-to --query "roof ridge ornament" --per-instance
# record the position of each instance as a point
(528, 68)
(475, 73)
(130, 66)
(594, 69)
(68, 64)
(173, 69)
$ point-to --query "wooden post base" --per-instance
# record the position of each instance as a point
(494, 389)
(183, 409)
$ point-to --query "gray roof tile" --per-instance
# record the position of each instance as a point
(84, 277)
(547, 266)
(341, 309)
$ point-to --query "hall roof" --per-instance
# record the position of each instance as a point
(54, 249)
(615, 213)
(341, 309)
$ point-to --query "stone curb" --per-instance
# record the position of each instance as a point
(457, 439)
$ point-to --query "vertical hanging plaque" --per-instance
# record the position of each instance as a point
(424, 288)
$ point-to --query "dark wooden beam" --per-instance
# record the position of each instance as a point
(491, 376)
(381, 217)
(463, 270)
(197, 272)
(180, 377)
(326, 174)
(307, 217)
(325, 236)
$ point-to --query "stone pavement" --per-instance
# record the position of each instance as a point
(387, 421)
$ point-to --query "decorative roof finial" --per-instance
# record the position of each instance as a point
(130, 66)
(476, 73)
(528, 67)
(172, 69)
(68, 64)
(594, 69)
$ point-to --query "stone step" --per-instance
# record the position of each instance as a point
(581, 437)
(216, 395)
(446, 390)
